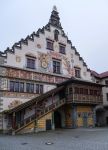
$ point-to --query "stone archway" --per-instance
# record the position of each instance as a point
(100, 116)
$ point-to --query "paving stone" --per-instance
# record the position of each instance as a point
(66, 139)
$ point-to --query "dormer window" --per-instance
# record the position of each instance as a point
(50, 44)
(62, 48)
(77, 72)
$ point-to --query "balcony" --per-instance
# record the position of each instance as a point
(84, 99)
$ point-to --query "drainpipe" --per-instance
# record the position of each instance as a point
(35, 124)
(94, 116)
(53, 123)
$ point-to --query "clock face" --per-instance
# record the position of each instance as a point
(44, 64)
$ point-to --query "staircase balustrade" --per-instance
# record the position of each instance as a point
(39, 114)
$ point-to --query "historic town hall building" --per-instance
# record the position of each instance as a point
(45, 83)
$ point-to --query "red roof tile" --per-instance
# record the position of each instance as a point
(101, 75)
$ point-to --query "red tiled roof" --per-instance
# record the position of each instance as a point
(101, 75)
(104, 74)
(94, 73)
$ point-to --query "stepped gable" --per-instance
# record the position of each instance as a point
(53, 21)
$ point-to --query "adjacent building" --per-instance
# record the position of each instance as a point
(103, 111)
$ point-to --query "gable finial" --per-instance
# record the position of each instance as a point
(54, 8)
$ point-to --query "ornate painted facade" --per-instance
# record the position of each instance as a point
(35, 65)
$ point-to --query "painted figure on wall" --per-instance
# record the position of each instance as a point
(14, 103)
(43, 61)
(66, 64)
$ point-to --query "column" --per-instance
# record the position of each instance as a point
(53, 124)
(94, 116)
(13, 123)
(35, 123)
(74, 116)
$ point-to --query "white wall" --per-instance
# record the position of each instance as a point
(33, 49)
(104, 90)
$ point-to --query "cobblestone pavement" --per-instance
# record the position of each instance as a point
(67, 139)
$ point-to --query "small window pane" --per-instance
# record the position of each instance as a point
(77, 90)
(70, 90)
(27, 87)
(32, 88)
(12, 86)
(21, 87)
(16, 87)
(41, 89)
(37, 88)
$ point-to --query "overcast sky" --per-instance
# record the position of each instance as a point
(85, 22)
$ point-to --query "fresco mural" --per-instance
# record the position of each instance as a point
(66, 65)
(3, 84)
(43, 60)
(14, 104)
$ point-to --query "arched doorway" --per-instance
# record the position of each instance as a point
(57, 119)
(100, 116)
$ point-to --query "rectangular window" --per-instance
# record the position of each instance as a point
(30, 87)
(62, 49)
(39, 89)
(91, 92)
(95, 92)
(50, 45)
(21, 86)
(56, 67)
(86, 91)
(11, 86)
(70, 90)
(77, 72)
(31, 63)
(77, 90)
(81, 91)
(107, 96)
(106, 82)
(16, 86)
